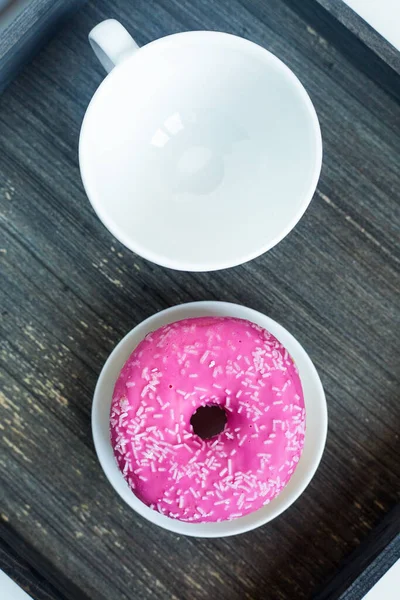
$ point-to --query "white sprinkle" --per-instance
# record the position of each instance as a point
(212, 364)
(193, 375)
(278, 402)
(143, 478)
(193, 492)
(205, 356)
(235, 515)
(242, 441)
(222, 473)
(233, 452)
(159, 400)
(229, 466)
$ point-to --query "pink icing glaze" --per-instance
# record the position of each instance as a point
(188, 364)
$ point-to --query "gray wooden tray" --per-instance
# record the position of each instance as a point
(70, 291)
(371, 38)
(25, 26)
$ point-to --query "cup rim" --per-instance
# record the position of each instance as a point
(206, 265)
(314, 399)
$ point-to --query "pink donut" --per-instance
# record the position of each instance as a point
(210, 361)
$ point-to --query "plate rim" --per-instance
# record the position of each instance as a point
(116, 360)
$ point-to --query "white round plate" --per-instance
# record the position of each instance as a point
(316, 419)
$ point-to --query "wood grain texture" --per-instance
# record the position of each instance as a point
(42, 582)
(363, 31)
(368, 563)
(70, 291)
(32, 24)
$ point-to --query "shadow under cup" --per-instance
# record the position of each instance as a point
(200, 151)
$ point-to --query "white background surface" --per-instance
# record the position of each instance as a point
(10, 590)
(383, 15)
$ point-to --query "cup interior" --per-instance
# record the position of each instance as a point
(200, 151)
(316, 419)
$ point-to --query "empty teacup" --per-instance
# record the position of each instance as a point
(200, 150)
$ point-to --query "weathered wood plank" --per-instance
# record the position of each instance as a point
(70, 291)
(363, 31)
(368, 563)
(25, 27)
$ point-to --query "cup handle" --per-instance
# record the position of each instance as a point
(111, 43)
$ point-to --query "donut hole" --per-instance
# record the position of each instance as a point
(208, 421)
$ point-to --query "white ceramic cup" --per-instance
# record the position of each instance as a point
(316, 419)
(200, 150)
